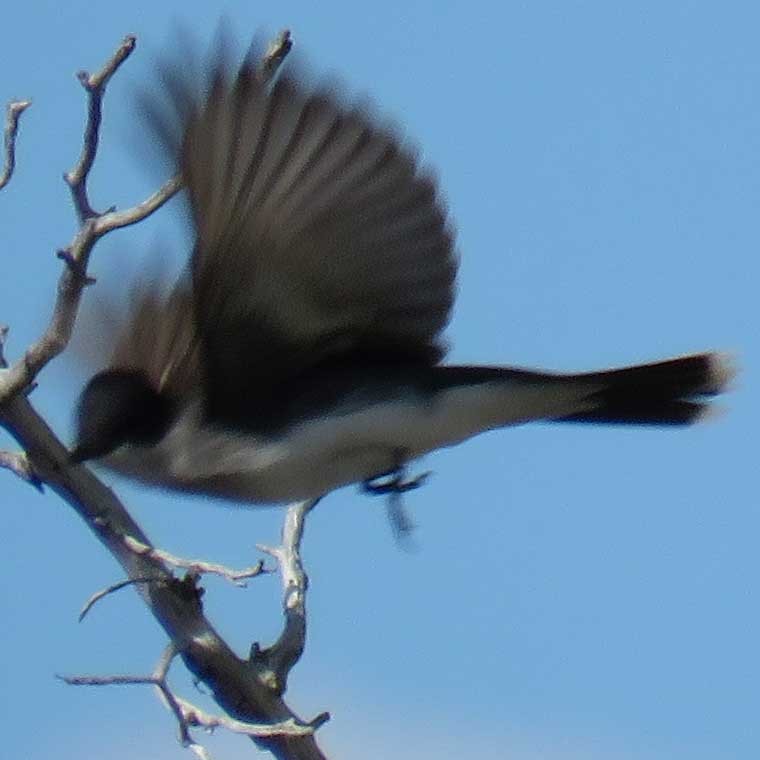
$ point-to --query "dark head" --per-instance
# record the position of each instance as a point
(119, 407)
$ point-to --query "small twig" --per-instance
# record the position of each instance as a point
(94, 226)
(160, 673)
(95, 85)
(275, 55)
(114, 220)
(287, 650)
(107, 680)
(76, 255)
(18, 463)
(73, 279)
(187, 714)
(98, 595)
(13, 112)
(196, 717)
(196, 566)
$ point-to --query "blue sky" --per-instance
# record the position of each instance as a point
(575, 593)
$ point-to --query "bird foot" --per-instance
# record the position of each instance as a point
(393, 482)
(394, 485)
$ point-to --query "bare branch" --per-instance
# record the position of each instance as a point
(161, 672)
(196, 566)
(95, 85)
(114, 220)
(188, 715)
(76, 255)
(196, 717)
(287, 650)
(108, 680)
(98, 595)
(17, 462)
(162, 666)
(241, 688)
(13, 112)
(193, 716)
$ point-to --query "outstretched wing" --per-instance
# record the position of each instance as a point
(318, 235)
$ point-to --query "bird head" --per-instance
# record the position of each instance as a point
(119, 407)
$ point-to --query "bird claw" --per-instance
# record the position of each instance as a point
(393, 482)
(394, 485)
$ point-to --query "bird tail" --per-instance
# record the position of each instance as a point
(463, 401)
(671, 392)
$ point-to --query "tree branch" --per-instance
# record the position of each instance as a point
(95, 86)
(241, 687)
(13, 112)
(93, 226)
(287, 650)
(112, 589)
(17, 462)
(187, 714)
(190, 716)
(197, 566)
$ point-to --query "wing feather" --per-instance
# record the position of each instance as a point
(318, 233)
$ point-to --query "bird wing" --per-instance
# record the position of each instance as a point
(318, 234)
(155, 334)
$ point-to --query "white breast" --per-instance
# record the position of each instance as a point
(324, 453)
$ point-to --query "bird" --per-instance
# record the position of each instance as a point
(301, 349)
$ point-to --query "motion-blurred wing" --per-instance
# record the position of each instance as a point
(156, 336)
(317, 234)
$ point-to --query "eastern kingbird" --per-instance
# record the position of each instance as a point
(301, 350)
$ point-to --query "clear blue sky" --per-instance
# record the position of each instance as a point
(576, 593)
